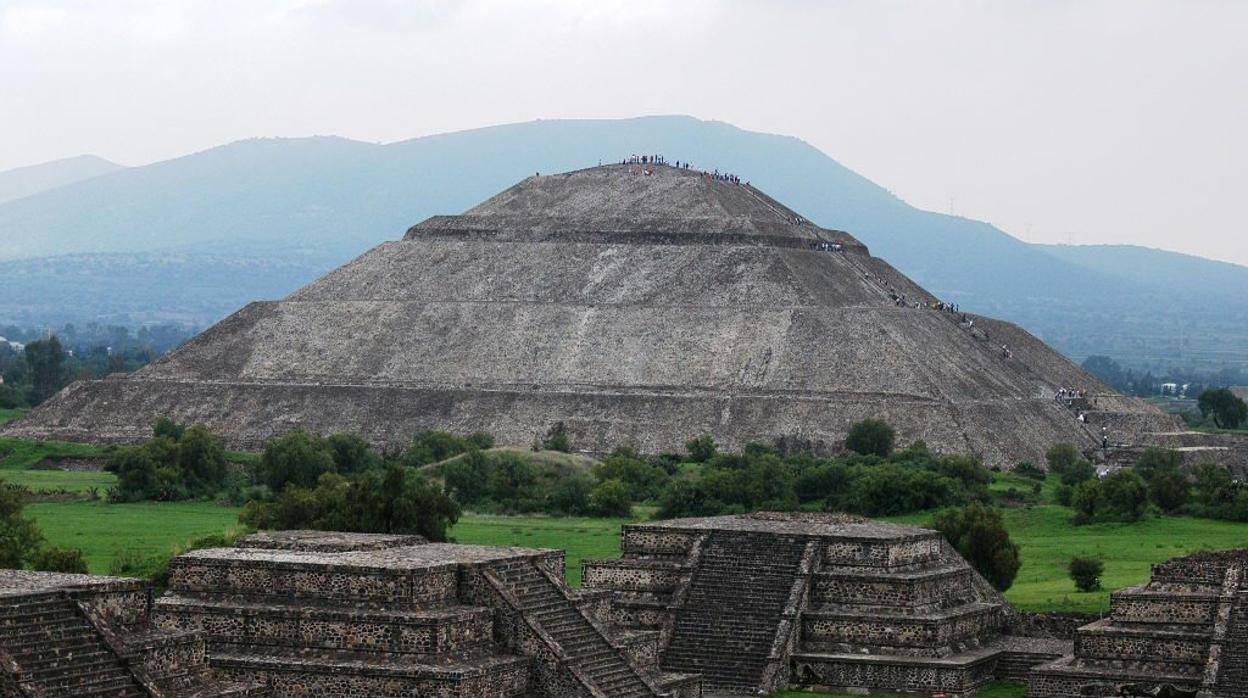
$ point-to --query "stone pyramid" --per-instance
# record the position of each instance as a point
(639, 305)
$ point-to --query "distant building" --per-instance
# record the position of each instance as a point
(15, 346)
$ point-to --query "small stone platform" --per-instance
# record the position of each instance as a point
(1183, 633)
(310, 613)
(79, 635)
(761, 602)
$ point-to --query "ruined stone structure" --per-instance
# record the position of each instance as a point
(637, 306)
(765, 601)
(1183, 633)
(355, 615)
(82, 636)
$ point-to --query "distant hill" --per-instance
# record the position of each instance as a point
(323, 200)
(25, 181)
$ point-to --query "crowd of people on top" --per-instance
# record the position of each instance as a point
(716, 175)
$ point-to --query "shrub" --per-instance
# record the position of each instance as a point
(556, 438)
(20, 537)
(1227, 410)
(68, 560)
(396, 500)
(297, 459)
(979, 535)
(1062, 456)
(1030, 470)
(1124, 497)
(610, 498)
(1085, 499)
(645, 481)
(352, 454)
(871, 437)
(687, 498)
(1086, 573)
(436, 446)
(701, 449)
(571, 496)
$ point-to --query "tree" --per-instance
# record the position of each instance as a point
(352, 454)
(871, 437)
(1061, 457)
(1085, 499)
(168, 428)
(1162, 469)
(1227, 410)
(397, 500)
(701, 449)
(66, 560)
(978, 533)
(1124, 497)
(571, 496)
(556, 438)
(1086, 572)
(46, 362)
(201, 461)
(298, 458)
(433, 447)
(20, 537)
(610, 498)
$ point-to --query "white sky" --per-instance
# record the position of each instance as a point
(1089, 121)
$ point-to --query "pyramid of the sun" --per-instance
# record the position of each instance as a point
(636, 308)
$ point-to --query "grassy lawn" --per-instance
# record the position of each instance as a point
(44, 481)
(102, 530)
(1004, 689)
(1048, 540)
(583, 539)
(23, 454)
(8, 415)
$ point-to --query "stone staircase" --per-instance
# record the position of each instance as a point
(729, 620)
(1232, 680)
(58, 651)
(543, 602)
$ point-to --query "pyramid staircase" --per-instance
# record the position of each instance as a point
(733, 609)
(543, 601)
(58, 652)
(53, 644)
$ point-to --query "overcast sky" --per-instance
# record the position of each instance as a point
(1091, 122)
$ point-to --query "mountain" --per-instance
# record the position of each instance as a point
(329, 199)
(25, 181)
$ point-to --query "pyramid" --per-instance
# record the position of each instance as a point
(638, 305)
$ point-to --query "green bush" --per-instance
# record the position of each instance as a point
(701, 449)
(610, 498)
(557, 439)
(20, 537)
(297, 459)
(978, 533)
(871, 437)
(1086, 573)
(1030, 470)
(67, 560)
(397, 499)
(176, 463)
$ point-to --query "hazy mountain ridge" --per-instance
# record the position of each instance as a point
(27, 181)
(332, 198)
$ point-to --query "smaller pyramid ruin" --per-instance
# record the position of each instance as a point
(762, 602)
(1183, 634)
(308, 613)
(89, 636)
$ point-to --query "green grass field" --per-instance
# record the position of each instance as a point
(44, 481)
(583, 539)
(102, 530)
(23, 454)
(1044, 534)
(1047, 540)
(8, 415)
